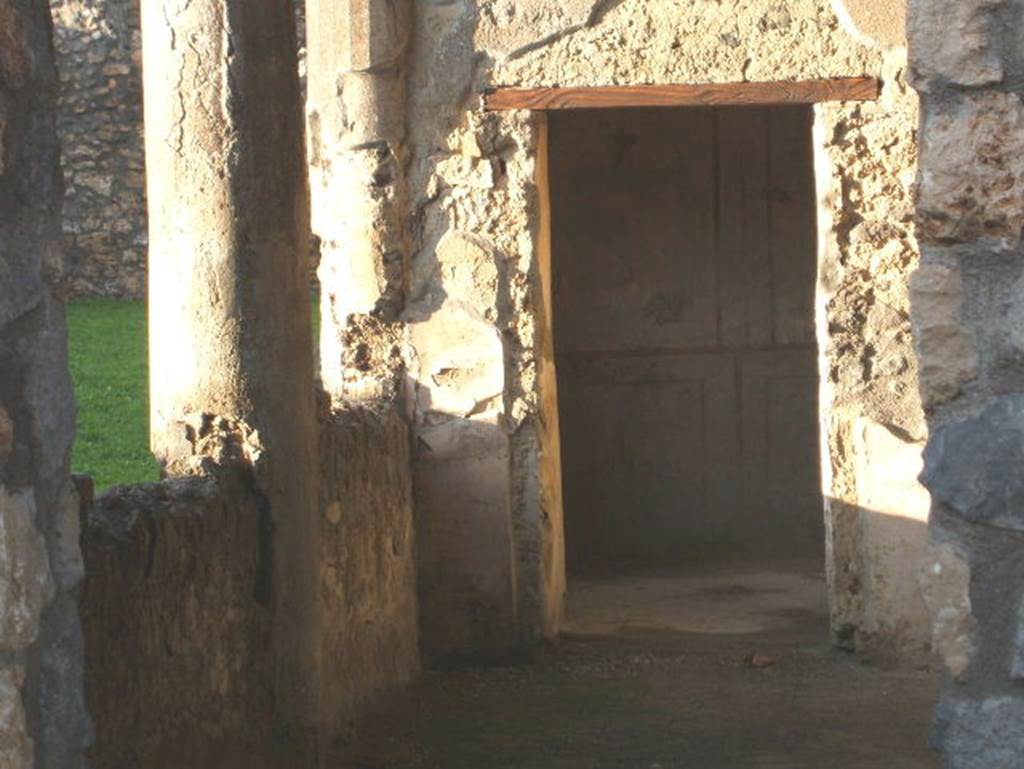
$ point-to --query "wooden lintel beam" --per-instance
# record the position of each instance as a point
(705, 95)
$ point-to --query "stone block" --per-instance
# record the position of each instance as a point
(973, 466)
(25, 582)
(461, 363)
(946, 351)
(953, 42)
(982, 733)
(972, 178)
(1017, 666)
(946, 584)
(6, 435)
(467, 272)
(894, 534)
(15, 744)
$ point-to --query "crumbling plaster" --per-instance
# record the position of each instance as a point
(476, 334)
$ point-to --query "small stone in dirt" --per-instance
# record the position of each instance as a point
(756, 660)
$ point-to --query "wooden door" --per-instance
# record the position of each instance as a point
(684, 255)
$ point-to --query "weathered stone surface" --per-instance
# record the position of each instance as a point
(972, 466)
(946, 584)
(368, 561)
(25, 582)
(16, 749)
(972, 176)
(177, 639)
(99, 52)
(480, 173)
(461, 366)
(954, 42)
(461, 269)
(6, 437)
(230, 307)
(981, 733)
(64, 533)
(894, 511)
(37, 613)
(880, 21)
(466, 580)
(1017, 668)
(945, 346)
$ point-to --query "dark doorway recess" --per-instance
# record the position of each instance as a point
(684, 257)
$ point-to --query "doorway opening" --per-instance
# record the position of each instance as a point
(684, 261)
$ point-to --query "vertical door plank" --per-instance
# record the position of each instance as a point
(744, 257)
(793, 234)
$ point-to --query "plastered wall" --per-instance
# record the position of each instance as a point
(475, 325)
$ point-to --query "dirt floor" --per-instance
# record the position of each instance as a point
(720, 666)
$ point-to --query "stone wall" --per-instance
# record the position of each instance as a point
(99, 56)
(44, 721)
(176, 603)
(98, 48)
(368, 563)
(175, 610)
(966, 61)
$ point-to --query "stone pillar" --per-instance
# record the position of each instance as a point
(230, 338)
(356, 118)
(968, 314)
(44, 722)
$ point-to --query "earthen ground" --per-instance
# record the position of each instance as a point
(653, 670)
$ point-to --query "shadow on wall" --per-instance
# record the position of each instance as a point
(875, 583)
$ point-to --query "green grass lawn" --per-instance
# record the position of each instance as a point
(107, 340)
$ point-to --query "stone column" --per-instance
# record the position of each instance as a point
(968, 314)
(356, 116)
(230, 338)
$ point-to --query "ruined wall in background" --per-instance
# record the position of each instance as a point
(99, 56)
(44, 721)
(968, 310)
(477, 327)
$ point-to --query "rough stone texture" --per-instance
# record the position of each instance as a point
(947, 358)
(26, 585)
(176, 611)
(973, 465)
(966, 63)
(946, 585)
(172, 609)
(954, 42)
(1017, 669)
(982, 734)
(230, 333)
(894, 511)
(474, 192)
(42, 714)
(99, 55)
(878, 22)
(367, 563)
(972, 182)
(16, 749)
